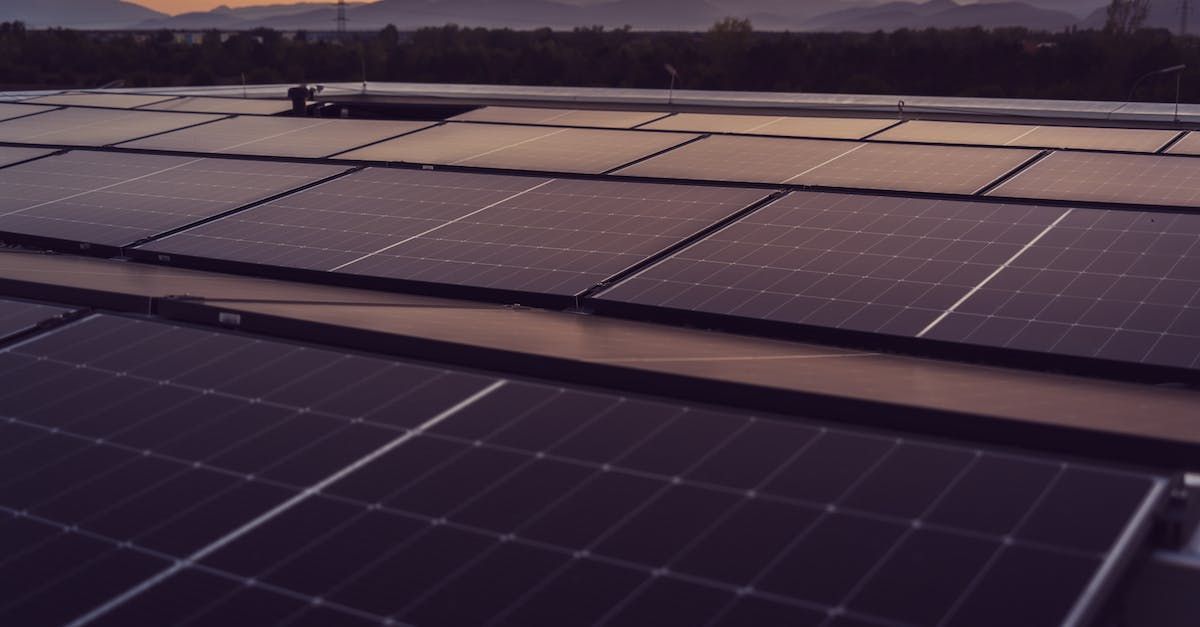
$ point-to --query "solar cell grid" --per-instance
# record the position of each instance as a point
(240, 106)
(114, 101)
(95, 127)
(832, 128)
(1109, 284)
(287, 137)
(863, 263)
(10, 110)
(559, 117)
(1133, 179)
(750, 159)
(944, 169)
(515, 233)
(538, 504)
(115, 199)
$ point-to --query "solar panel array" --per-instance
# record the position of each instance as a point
(108, 100)
(95, 127)
(156, 474)
(1115, 285)
(239, 106)
(116, 199)
(288, 137)
(18, 316)
(820, 127)
(513, 147)
(516, 233)
(1076, 137)
(1133, 179)
(559, 117)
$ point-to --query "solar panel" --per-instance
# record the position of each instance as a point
(11, 154)
(10, 110)
(1125, 139)
(157, 474)
(522, 147)
(559, 117)
(1133, 179)
(749, 159)
(515, 233)
(862, 263)
(18, 316)
(945, 169)
(283, 137)
(240, 106)
(928, 131)
(1116, 285)
(832, 128)
(115, 199)
(1078, 137)
(94, 127)
(113, 101)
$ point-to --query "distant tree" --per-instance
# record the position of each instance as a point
(732, 25)
(1126, 16)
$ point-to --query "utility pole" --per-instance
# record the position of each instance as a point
(1185, 11)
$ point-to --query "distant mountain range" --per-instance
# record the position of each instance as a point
(796, 15)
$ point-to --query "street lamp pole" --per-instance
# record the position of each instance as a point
(1177, 70)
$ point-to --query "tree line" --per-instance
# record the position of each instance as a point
(1016, 63)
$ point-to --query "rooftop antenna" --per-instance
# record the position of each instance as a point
(341, 18)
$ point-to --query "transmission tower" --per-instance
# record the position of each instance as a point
(1185, 12)
(341, 18)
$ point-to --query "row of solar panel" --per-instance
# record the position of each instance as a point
(1077, 176)
(160, 474)
(1086, 138)
(1108, 284)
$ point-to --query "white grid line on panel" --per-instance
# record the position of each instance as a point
(100, 189)
(824, 163)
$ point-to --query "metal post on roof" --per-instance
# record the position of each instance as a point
(1177, 70)
(671, 88)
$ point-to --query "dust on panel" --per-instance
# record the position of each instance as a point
(914, 168)
(542, 504)
(116, 199)
(525, 234)
(284, 137)
(793, 126)
(1099, 177)
(741, 159)
(559, 117)
(854, 262)
(95, 127)
(240, 106)
(111, 101)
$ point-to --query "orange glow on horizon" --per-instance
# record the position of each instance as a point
(175, 7)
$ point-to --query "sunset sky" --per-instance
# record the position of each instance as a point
(183, 6)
